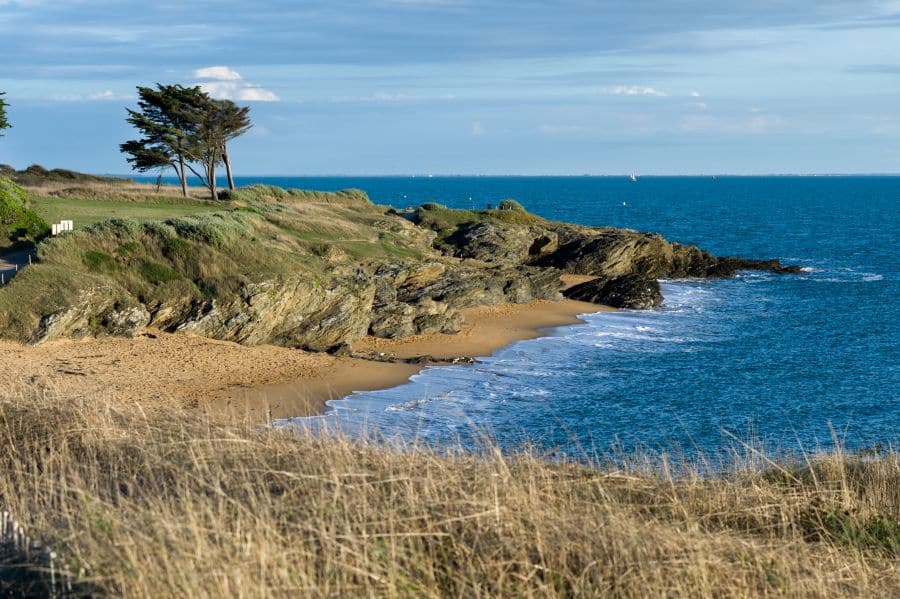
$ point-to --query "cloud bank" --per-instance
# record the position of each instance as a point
(225, 83)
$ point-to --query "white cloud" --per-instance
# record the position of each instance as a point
(105, 95)
(695, 93)
(636, 90)
(218, 73)
(477, 129)
(227, 84)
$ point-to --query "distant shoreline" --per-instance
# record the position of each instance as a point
(244, 178)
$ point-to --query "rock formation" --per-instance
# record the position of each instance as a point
(635, 291)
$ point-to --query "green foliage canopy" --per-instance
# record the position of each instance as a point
(185, 129)
(17, 219)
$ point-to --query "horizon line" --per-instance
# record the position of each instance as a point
(519, 175)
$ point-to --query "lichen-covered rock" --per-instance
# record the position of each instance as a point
(635, 291)
(126, 321)
(293, 312)
(96, 312)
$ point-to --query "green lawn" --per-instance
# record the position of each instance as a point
(87, 212)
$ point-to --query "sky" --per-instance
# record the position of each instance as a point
(470, 86)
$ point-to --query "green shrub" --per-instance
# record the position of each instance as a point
(122, 228)
(161, 230)
(509, 204)
(179, 248)
(17, 219)
(99, 262)
(157, 273)
(129, 248)
(200, 229)
(255, 193)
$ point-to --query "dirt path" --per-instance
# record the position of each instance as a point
(14, 259)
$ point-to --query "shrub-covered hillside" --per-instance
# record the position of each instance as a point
(17, 219)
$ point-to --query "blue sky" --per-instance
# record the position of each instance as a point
(470, 86)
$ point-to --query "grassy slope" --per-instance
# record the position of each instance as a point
(85, 212)
(171, 505)
(171, 248)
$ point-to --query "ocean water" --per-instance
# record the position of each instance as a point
(787, 362)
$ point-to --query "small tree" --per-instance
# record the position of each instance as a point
(4, 121)
(183, 128)
(234, 121)
(165, 119)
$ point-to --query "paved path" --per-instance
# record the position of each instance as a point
(10, 259)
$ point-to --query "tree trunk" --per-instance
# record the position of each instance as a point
(227, 160)
(212, 181)
(182, 176)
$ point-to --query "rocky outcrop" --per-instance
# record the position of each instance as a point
(398, 300)
(611, 253)
(502, 243)
(728, 266)
(294, 312)
(412, 300)
(635, 291)
(95, 309)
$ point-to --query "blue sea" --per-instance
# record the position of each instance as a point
(780, 361)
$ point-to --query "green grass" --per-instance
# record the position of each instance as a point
(445, 221)
(139, 250)
(86, 212)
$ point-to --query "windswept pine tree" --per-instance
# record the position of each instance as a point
(183, 128)
(233, 121)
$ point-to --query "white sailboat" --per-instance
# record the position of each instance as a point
(632, 176)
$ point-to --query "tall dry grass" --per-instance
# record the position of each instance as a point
(177, 505)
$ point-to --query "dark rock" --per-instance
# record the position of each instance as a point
(610, 253)
(413, 300)
(791, 269)
(340, 350)
(728, 265)
(501, 243)
(634, 291)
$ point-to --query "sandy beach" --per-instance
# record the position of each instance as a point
(158, 369)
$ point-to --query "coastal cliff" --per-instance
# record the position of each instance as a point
(321, 270)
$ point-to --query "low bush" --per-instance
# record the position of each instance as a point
(17, 219)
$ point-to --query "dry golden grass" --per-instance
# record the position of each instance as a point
(176, 505)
